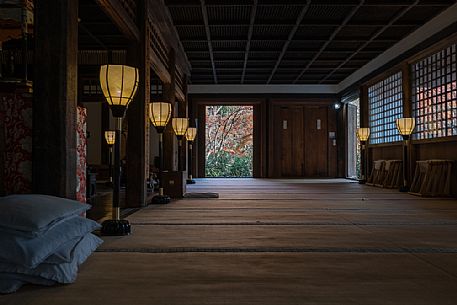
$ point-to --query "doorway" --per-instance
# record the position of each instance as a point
(353, 153)
(304, 141)
(229, 141)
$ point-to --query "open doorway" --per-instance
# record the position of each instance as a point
(353, 145)
(229, 137)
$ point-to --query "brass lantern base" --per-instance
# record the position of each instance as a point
(116, 227)
(160, 199)
(404, 189)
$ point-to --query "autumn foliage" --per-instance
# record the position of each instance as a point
(229, 136)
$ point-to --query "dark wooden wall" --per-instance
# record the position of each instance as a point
(301, 150)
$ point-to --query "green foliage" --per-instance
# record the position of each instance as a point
(225, 164)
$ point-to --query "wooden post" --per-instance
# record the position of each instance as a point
(408, 113)
(364, 122)
(406, 86)
(169, 138)
(137, 116)
(184, 113)
(55, 97)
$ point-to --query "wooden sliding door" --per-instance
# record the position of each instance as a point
(316, 156)
(292, 141)
(301, 140)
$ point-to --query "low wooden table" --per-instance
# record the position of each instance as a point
(174, 183)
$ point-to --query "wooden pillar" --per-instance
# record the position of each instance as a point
(364, 113)
(183, 112)
(137, 116)
(2, 152)
(408, 113)
(201, 139)
(364, 122)
(169, 139)
(55, 97)
(105, 123)
(406, 86)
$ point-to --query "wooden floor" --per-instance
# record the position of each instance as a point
(274, 242)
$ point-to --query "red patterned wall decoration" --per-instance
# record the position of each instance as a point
(81, 158)
(15, 139)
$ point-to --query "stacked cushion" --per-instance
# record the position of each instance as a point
(43, 240)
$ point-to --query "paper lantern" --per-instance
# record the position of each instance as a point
(119, 84)
(180, 126)
(110, 137)
(191, 133)
(159, 114)
(406, 126)
(363, 134)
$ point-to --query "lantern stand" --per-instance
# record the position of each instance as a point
(110, 137)
(405, 127)
(119, 84)
(363, 134)
(190, 137)
(159, 115)
(180, 126)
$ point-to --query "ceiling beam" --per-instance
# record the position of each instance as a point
(379, 32)
(322, 49)
(250, 89)
(208, 38)
(197, 63)
(290, 70)
(322, 24)
(290, 37)
(295, 40)
(432, 28)
(248, 44)
(339, 51)
(185, 3)
(121, 19)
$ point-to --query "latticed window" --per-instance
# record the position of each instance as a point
(156, 88)
(91, 87)
(434, 95)
(385, 100)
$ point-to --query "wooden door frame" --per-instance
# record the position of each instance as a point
(332, 121)
(259, 132)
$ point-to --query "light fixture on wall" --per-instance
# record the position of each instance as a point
(180, 126)
(191, 133)
(405, 127)
(110, 137)
(159, 115)
(363, 134)
(119, 84)
(337, 106)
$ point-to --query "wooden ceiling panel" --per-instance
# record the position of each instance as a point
(268, 32)
(187, 32)
(315, 41)
(327, 13)
(376, 14)
(229, 32)
(397, 32)
(186, 15)
(285, 14)
(218, 14)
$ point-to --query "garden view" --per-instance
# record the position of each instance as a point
(229, 141)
